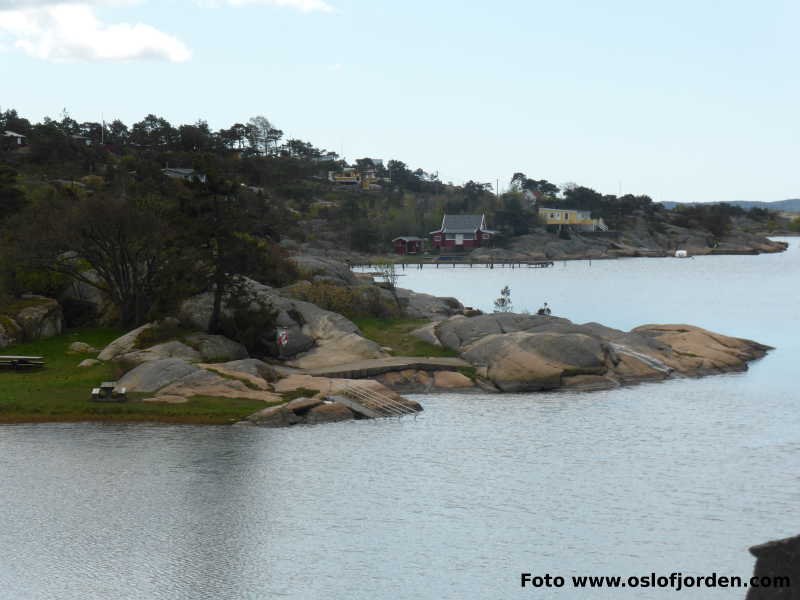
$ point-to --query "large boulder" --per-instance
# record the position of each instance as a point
(427, 334)
(123, 344)
(534, 352)
(335, 338)
(697, 351)
(459, 332)
(176, 377)
(30, 318)
(329, 413)
(172, 349)
(325, 269)
(338, 350)
(521, 361)
(155, 375)
(216, 348)
(81, 348)
(425, 306)
(89, 297)
(40, 317)
(253, 370)
(10, 331)
(127, 350)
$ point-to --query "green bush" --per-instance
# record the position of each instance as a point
(351, 302)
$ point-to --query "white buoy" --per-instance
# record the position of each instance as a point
(681, 254)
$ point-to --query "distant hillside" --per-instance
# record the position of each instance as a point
(791, 205)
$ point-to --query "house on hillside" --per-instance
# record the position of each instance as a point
(347, 176)
(407, 244)
(462, 231)
(577, 220)
(82, 139)
(14, 139)
(364, 177)
(185, 174)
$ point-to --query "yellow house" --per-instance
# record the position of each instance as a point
(366, 179)
(575, 219)
(347, 176)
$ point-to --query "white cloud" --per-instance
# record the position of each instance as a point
(25, 4)
(301, 5)
(60, 32)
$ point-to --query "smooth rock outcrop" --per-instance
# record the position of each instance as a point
(427, 333)
(425, 306)
(216, 348)
(196, 347)
(325, 269)
(335, 338)
(30, 318)
(123, 344)
(173, 349)
(329, 413)
(176, 377)
(41, 317)
(155, 375)
(532, 352)
(81, 348)
(450, 380)
(308, 411)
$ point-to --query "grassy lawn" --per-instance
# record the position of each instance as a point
(394, 333)
(60, 391)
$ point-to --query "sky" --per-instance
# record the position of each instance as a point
(683, 100)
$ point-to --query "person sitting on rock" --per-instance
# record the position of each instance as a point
(545, 310)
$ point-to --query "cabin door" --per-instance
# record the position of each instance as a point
(459, 239)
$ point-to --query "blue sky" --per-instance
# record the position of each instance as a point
(682, 100)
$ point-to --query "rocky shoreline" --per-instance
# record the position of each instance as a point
(502, 353)
(175, 360)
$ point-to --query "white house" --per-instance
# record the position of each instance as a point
(17, 139)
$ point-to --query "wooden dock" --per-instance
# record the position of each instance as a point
(464, 264)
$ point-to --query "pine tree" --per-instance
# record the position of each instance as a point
(503, 303)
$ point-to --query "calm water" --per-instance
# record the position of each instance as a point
(455, 504)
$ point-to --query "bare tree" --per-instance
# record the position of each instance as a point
(389, 273)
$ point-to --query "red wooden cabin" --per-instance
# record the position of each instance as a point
(462, 231)
(408, 244)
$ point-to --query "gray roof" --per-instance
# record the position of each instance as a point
(461, 223)
(408, 238)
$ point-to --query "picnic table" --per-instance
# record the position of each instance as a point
(21, 362)
(109, 392)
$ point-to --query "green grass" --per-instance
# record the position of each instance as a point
(395, 333)
(60, 391)
(298, 393)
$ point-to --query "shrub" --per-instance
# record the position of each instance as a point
(352, 302)
(250, 321)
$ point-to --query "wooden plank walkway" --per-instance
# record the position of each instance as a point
(464, 264)
(364, 369)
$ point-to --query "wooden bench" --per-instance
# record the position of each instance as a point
(21, 362)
